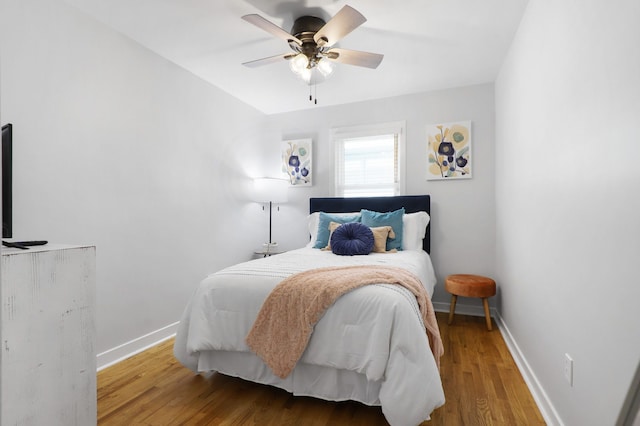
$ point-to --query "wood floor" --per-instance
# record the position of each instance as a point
(481, 382)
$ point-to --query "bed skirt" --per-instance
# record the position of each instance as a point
(305, 380)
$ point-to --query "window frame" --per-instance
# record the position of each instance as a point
(340, 134)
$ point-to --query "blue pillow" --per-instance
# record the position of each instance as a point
(392, 219)
(322, 239)
(352, 239)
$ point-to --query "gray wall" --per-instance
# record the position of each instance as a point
(567, 192)
(463, 212)
(117, 147)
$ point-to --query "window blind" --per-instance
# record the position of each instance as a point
(368, 165)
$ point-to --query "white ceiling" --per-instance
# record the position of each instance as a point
(427, 44)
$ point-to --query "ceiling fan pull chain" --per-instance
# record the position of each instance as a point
(313, 98)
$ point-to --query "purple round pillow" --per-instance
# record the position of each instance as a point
(352, 239)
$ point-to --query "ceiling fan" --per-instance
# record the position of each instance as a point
(312, 40)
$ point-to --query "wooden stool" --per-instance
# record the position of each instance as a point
(470, 286)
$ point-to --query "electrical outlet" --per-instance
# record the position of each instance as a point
(568, 369)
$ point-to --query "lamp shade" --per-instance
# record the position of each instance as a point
(270, 190)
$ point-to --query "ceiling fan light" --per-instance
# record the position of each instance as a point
(325, 67)
(305, 75)
(299, 63)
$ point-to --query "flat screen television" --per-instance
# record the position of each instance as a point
(7, 196)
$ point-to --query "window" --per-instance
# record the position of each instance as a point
(369, 160)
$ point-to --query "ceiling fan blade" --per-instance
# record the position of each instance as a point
(267, 61)
(355, 57)
(271, 28)
(345, 21)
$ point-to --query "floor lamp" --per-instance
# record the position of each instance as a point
(272, 191)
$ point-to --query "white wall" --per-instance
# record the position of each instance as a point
(567, 197)
(463, 212)
(117, 147)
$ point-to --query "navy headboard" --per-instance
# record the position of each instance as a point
(411, 204)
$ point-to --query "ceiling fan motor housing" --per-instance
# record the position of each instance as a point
(304, 28)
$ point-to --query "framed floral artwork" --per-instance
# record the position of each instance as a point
(297, 161)
(449, 151)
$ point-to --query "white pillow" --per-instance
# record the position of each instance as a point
(312, 226)
(414, 228)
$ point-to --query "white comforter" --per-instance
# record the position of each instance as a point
(374, 335)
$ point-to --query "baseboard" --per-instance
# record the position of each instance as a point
(128, 349)
(476, 310)
(135, 346)
(547, 409)
(545, 406)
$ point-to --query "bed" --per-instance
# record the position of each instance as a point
(369, 346)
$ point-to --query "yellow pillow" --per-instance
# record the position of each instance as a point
(380, 235)
(332, 227)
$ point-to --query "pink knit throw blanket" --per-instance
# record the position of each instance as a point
(285, 322)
